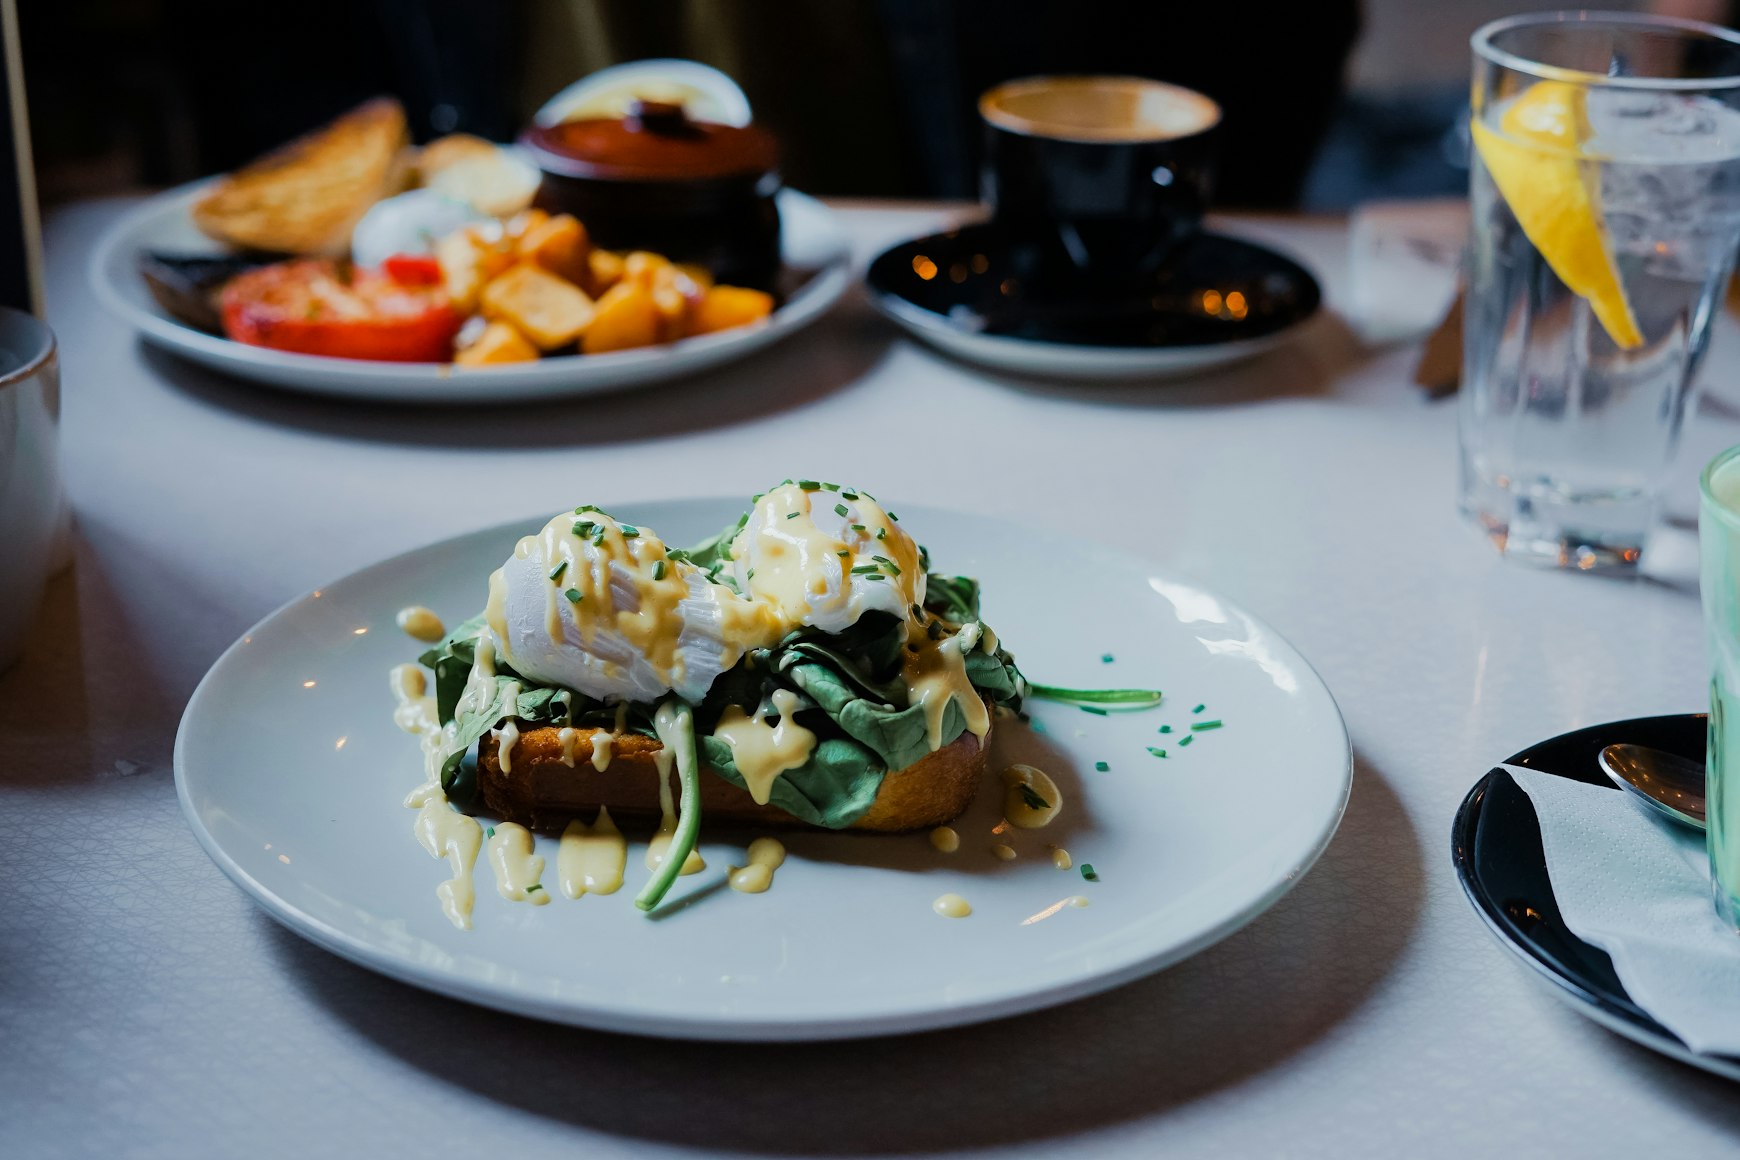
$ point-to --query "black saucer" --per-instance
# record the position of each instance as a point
(1495, 843)
(1213, 290)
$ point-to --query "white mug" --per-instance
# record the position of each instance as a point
(33, 509)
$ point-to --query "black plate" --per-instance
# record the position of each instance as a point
(1495, 843)
(982, 282)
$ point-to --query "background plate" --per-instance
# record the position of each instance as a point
(292, 775)
(1496, 845)
(813, 247)
(975, 305)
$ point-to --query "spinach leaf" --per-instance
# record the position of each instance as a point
(953, 598)
(834, 788)
(452, 660)
(995, 674)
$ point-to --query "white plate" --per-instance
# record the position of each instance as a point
(811, 241)
(292, 775)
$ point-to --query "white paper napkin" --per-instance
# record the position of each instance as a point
(1639, 889)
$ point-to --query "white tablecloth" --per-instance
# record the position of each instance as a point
(147, 1008)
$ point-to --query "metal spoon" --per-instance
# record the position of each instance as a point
(1671, 784)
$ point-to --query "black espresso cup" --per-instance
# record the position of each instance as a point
(1098, 178)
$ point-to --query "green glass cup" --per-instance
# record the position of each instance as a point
(1719, 543)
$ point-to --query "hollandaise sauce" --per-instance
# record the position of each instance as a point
(517, 869)
(591, 859)
(1030, 798)
(761, 752)
(765, 856)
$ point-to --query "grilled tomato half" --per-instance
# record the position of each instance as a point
(317, 306)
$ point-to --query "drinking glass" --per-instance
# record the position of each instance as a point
(32, 497)
(1605, 191)
(1719, 541)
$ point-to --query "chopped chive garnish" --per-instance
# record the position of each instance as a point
(490, 833)
(881, 533)
(1187, 739)
(934, 630)
(1088, 872)
(629, 531)
(573, 595)
(658, 569)
(1106, 659)
(894, 517)
(598, 535)
(1118, 698)
(840, 509)
(582, 527)
(1103, 767)
(826, 486)
(859, 528)
(848, 493)
(749, 575)
(588, 507)
(844, 554)
(556, 572)
(1199, 708)
(534, 888)
(1094, 709)
(1165, 728)
(1201, 725)
(1156, 751)
(1031, 799)
(809, 485)
(873, 575)
(793, 515)
(917, 611)
(866, 569)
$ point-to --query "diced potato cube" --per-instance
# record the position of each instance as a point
(626, 317)
(524, 222)
(647, 268)
(559, 245)
(724, 307)
(699, 275)
(603, 270)
(469, 258)
(674, 308)
(551, 311)
(500, 342)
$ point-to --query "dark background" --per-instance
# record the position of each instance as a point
(870, 97)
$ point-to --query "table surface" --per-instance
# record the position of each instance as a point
(148, 1009)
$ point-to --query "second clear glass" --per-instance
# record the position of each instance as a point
(1605, 193)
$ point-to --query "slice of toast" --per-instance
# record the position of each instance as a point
(307, 196)
(541, 792)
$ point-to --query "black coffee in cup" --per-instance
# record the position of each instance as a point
(1101, 177)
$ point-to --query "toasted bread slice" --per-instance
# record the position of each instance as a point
(543, 793)
(307, 196)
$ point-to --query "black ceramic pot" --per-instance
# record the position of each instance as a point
(693, 191)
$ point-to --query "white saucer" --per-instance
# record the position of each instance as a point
(812, 242)
(292, 775)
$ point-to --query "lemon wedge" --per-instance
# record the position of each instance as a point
(1536, 159)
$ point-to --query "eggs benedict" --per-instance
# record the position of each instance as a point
(806, 659)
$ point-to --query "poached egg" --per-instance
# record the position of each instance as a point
(601, 607)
